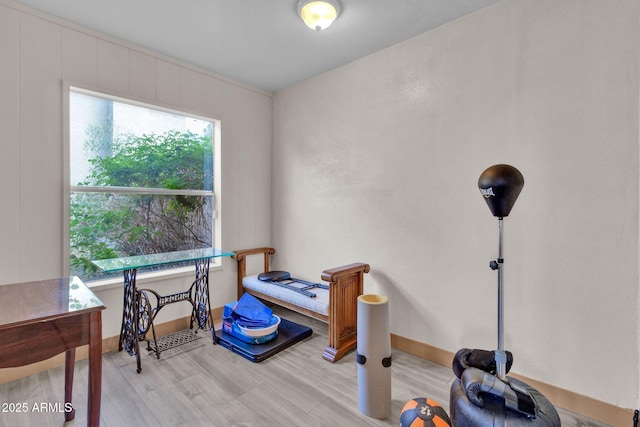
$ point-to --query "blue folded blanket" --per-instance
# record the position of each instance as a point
(251, 313)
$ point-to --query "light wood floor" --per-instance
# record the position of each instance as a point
(199, 384)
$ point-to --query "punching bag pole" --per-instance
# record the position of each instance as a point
(500, 186)
(501, 355)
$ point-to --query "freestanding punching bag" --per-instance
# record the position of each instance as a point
(483, 394)
(500, 185)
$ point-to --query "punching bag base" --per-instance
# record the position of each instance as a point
(464, 413)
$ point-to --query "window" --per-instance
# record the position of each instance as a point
(141, 180)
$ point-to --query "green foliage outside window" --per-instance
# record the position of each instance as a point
(108, 225)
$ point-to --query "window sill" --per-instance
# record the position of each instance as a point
(150, 277)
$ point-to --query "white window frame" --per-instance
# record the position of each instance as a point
(142, 277)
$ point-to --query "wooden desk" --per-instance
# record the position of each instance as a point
(39, 320)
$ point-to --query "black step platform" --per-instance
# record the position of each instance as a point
(289, 333)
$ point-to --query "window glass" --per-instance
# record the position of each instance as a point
(141, 181)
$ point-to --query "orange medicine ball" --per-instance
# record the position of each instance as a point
(424, 412)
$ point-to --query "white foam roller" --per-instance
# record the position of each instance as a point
(374, 356)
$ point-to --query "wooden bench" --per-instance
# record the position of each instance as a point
(337, 306)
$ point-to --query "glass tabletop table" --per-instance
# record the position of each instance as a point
(153, 260)
(138, 311)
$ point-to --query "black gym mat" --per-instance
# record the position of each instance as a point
(289, 333)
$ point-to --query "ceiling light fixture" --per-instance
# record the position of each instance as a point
(318, 15)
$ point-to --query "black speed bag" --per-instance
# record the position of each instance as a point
(500, 185)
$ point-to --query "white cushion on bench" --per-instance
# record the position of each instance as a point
(319, 304)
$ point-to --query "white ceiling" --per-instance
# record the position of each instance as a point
(262, 43)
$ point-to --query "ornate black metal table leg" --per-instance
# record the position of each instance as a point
(129, 329)
(146, 314)
(202, 307)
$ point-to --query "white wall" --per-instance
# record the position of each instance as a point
(378, 162)
(39, 52)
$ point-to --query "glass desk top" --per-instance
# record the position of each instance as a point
(152, 260)
(32, 302)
